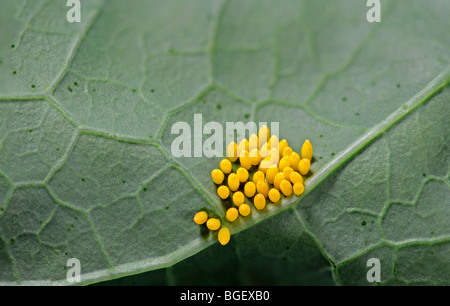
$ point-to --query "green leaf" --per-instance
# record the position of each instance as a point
(86, 111)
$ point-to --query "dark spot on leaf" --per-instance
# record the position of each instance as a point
(357, 114)
(432, 233)
(65, 253)
(93, 89)
(219, 106)
(423, 174)
(145, 188)
(57, 149)
(171, 50)
(13, 240)
(69, 89)
(320, 157)
(247, 116)
(284, 258)
(123, 181)
(405, 106)
(332, 154)
(344, 99)
(30, 130)
(399, 85)
(321, 135)
(167, 207)
(364, 223)
(134, 90)
(33, 86)
(13, 46)
(287, 248)
(75, 83)
(152, 90)
(82, 179)
(14, 72)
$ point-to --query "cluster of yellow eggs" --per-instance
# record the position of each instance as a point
(266, 167)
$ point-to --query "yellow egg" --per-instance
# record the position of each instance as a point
(224, 236)
(217, 176)
(233, 181)
(265, 151)
(274, 195)
(259, 201)
(287, 151)
(273, 142)
(287, 172)
(307, 150)
(257, 176)
(200, 217)
(295, 177)
(245, 160)
(225, 165)
(213, 224)
(286, 187)
(244, 210)
(278, 178)
(242, 173)
(232, 151)
(250, 189)
(294, 159)
(262, 188)
(253, 142)
(284, 162)
(298, 188)
(303, 166)
(263, 135)
(244, 145)
(232, 214)
(281, 146)
(270, 174)
(223, 192)
(255, 157)
(238, 198)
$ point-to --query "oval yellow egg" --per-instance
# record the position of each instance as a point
(274, 195)
(249, 189)
(217, 176)
(286, 187)
(225, 165)
(232, 214)
(259, 201)
(223, 192)
(245, 210)
(200, 217)
(213, 224)
(224, 236)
